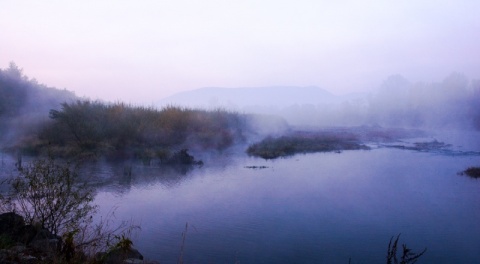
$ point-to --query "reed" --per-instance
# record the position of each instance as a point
(407, 255)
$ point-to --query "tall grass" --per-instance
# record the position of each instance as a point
(121, 130)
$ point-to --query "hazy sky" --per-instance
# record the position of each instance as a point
(141, 51)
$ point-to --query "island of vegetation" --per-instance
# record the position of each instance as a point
(304, 142)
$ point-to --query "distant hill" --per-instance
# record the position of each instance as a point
(278, 96)
(298, 105)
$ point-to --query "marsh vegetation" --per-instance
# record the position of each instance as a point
(123, 131)
(289, 145)
(335, 139)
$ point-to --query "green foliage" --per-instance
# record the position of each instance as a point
(50, 195)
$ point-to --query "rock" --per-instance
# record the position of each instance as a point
(120, 256)
(28, 244)
(4, 254)
(26, 234)
(45, 241)
(10, 223)
(16, 254)
(139, 261)
(27, 259)
(17, 249)
(48, 245)
(44, 234)
(133, 261)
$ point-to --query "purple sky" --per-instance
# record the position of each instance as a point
(141, 51)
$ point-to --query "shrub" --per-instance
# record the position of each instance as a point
(50, 195)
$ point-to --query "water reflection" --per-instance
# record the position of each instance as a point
(120, 177)
(317, 208)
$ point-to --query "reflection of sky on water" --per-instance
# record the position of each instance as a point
(314, 208)
(325, 207)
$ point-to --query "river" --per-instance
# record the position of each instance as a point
(314, 208)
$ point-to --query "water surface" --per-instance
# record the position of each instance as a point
(315, 208)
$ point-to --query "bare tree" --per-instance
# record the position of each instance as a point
(49, 194)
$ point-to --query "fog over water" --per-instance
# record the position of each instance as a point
(159, 102)
(312, 208)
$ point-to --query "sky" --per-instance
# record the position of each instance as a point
(142, 51)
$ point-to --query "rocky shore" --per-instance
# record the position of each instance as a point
(23, 243)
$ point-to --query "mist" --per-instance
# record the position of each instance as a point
(245, 138)
(451, 103)
(24, 105)
(140, 52)
(280, 131)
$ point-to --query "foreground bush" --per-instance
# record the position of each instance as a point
(55, 215)
(50, 195)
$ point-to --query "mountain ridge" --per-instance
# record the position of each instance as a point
(240, 97)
